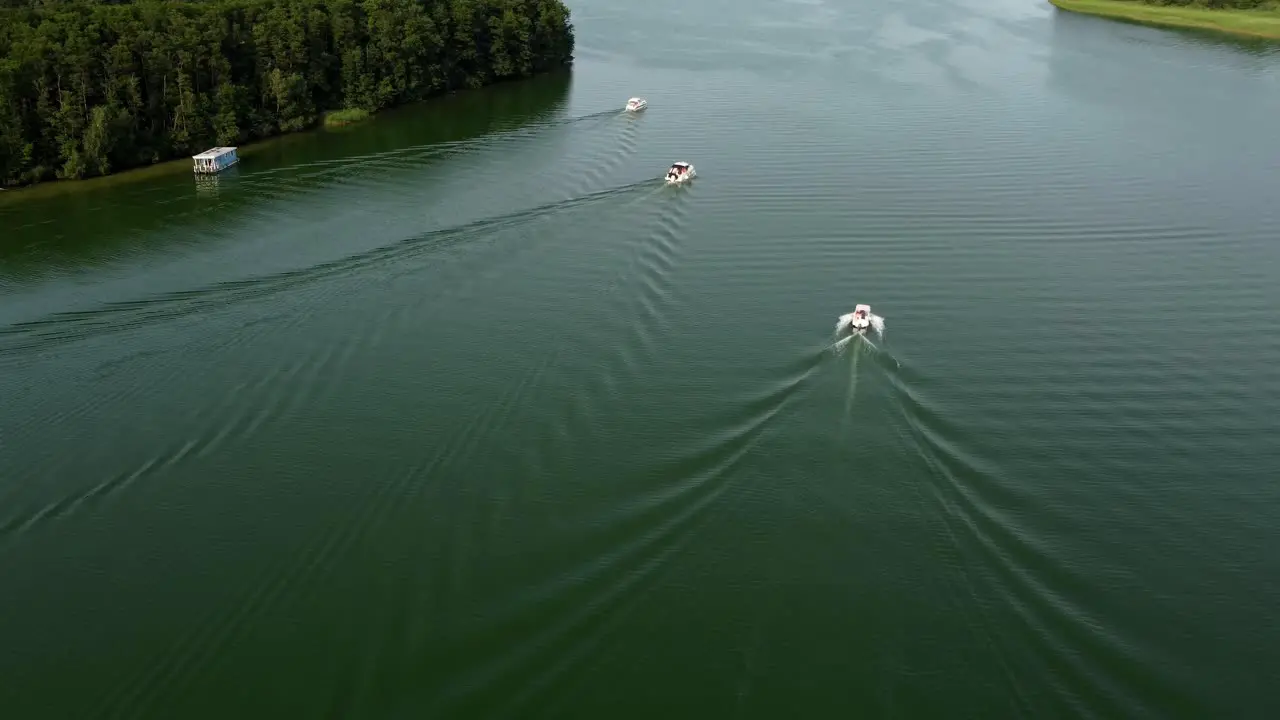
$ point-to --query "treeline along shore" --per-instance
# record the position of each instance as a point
(90, 87)
(1247, 18)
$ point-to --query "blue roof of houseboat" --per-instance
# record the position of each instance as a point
(213, 153)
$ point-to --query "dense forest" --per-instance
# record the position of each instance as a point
(89, 87)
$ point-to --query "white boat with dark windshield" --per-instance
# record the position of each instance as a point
(860, 318)
(680, 172)
(637, 104)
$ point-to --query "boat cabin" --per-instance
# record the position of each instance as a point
(215, 160)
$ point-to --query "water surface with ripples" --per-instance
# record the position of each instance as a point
(462, 413)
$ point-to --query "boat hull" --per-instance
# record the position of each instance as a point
(681, 179)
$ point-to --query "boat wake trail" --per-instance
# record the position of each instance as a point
(412, 156)
(74, 325)
(853, 388)
(856, 343)
(841, 343)
(595, 116)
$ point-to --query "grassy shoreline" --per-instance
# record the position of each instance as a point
(1248, 23)
(338, 118)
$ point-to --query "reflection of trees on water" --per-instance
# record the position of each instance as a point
(108, 217)
(450, 118)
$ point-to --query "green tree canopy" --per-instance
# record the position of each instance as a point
(89, 87)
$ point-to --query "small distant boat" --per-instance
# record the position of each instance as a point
(860, 319)
(637, 104)
(680, 172)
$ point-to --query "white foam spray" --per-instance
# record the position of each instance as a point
(846, 322)
(852, 385)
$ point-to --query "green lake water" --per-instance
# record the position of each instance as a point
(462, 413)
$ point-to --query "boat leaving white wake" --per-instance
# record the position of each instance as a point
(860, 321)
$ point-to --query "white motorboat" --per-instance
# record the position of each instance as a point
(860, 319)
(637, 104)
(680, 172)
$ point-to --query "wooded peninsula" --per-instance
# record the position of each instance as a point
(1250, 18)
(90, 87)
